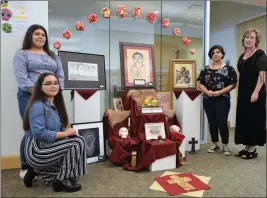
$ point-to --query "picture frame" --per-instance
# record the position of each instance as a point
(83, 71)
(153, 130)
(182, 74)
(137, 65)
(93, 133)
(118, 105)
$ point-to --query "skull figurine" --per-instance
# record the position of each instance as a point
(174, 128)
(6, 14)
(123, 132)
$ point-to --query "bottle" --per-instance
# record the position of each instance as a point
(134, 158)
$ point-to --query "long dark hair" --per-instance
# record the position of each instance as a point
(27, 42)
(39, 95)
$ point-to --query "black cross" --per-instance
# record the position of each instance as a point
(193, 142)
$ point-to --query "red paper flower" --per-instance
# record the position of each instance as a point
(160, 137)
(79, 25)
(105, 12)
(66, 34)
(92, 18)
(177, 137)
(186, 41)
(57, 45)
(122, 11)
(192, 51)
(166, 23)
(137, 12)
(176, 31)
(151, 17)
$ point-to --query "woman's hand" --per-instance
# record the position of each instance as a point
(254, 97)
(210, 93)
(71, 132)
(217, 93)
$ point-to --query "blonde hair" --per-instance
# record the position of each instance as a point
(248, 32)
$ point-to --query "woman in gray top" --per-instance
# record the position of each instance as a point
(32, 60)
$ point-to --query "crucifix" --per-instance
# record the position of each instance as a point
(177, 54)
(193, 142)
(181, 181)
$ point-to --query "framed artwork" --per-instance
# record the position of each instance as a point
(94, 136)
(137, 65)
(183, 73)
(118, 105)
(83, 71)
(153, 130)
(165, 99)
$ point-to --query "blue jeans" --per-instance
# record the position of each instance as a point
(23, 99)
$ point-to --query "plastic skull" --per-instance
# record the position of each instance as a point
(6, 27)
(175, 128)
(123, 132)
(6, 14)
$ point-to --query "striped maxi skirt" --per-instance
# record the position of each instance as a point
(63, 159)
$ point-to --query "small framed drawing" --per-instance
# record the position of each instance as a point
(153, 130)
(94, 136)
(183, 73)
(137, 66)
(83, 71)
(117, 102)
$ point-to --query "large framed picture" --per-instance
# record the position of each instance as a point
(137, 66)
(153, 130)
(94, 136)
(182, 73)
(83, 71)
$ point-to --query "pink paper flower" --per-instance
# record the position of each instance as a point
(92, 18)
(105, 12)
(80, 26)
(176, 31)
(122, 11)
(137, 12)
(57, 45)
(151, 17)
(186, 41)
(66, 34)
(166, 23)
(192, 51)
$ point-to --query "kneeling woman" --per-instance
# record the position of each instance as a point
(56, 152)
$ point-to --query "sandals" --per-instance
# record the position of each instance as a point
(250, 155)
(241, 153)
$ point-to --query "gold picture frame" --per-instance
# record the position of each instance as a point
(182, 74)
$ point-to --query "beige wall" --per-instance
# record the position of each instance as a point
(170, 44)
(259, 23)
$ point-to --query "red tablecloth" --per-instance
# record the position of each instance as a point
(150, 151)
(191, 93)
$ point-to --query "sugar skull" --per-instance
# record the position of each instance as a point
(4, 4)
(123, 132)
(174, 128)
(6, 27)
(6, 14)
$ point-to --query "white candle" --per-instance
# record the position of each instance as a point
(129, 122)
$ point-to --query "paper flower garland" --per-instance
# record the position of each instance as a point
(176, 31)
(122, 11)
(192, 51)
(137, 12)
(151, 17)
(92, 18)
(186, 41)
(166, 23)
(66, 34)
(105, 12)
(57, 45)
(79, 25)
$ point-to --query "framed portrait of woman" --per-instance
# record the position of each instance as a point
(137, 65)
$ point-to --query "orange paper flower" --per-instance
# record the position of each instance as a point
(122, 11)
(92, 18)
(176, 31)
(67, 34)
(106, 13)
(57, 45)
(186, 41)
(151, 17)
(80, 25)
(137, 12)
(192, 51)
(166, 23)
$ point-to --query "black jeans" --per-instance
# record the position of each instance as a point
(217, 110)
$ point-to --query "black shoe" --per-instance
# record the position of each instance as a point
(65, 186)
(250, 155)
(241, 153)
(75, 182)
(30, 175)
